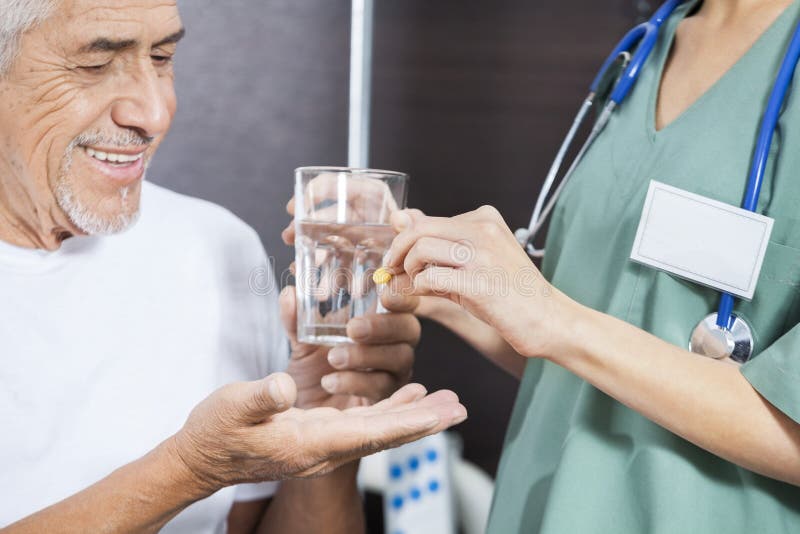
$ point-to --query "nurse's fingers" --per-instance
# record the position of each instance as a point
(413, 226)
(442, 282)
(398, 295)
(483, 213)
(435, 251)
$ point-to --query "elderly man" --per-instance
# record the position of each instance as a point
(110, 340)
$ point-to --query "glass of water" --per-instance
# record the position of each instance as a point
(342, 234)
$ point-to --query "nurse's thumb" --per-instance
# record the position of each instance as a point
(268, 396)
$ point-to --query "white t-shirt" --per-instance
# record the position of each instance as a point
(108, 343)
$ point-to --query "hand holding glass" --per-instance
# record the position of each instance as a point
(342, 232)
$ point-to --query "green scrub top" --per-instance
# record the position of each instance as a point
(578, 461)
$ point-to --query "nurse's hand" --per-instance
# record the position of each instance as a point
(250, 431)
(474, 260)
(377, 365)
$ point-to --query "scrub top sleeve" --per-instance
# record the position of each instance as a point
(775, 373)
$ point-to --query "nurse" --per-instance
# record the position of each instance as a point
(617, 427)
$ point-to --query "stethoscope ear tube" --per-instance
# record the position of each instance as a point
(598, 127)
(645, 35)
(525, 236)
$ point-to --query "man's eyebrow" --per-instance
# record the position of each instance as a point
(174, 38)
(105, 44)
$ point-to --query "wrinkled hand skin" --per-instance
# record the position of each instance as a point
(373, 368)
(248, 431)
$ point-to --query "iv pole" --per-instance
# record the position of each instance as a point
(360, 83)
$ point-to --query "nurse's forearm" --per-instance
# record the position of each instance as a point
(481, 336)
(705, 401)
(138, 497)
(329, 504)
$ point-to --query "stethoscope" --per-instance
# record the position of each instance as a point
(722, 334)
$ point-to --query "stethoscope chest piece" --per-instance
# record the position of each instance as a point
(710, 339)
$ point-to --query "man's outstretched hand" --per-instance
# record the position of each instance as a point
(250, 431)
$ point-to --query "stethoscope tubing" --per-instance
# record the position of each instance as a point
(537, 219)
(761, 156)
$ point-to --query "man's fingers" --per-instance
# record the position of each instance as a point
(380, 427)
(396, 358)
(397, 427)
(382, 328)
(403, 396)
(288, 233)
(288, 305)
(406, 394)
(257, 401)
(362, 190)
(437, 398)
(374, 385)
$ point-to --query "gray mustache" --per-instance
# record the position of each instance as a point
(119, 139)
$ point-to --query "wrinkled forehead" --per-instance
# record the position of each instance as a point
(77, 20)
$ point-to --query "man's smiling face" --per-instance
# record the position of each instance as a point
(82, 110)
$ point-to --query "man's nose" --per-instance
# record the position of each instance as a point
(147, 104)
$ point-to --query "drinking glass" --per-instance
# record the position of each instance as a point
(342, 234)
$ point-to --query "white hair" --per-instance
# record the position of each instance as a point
(17, 17)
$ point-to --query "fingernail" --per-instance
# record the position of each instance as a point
(330, 383)
(338, 356)
(401, 220)
(359, 328)
(275, 391)
(459, 415)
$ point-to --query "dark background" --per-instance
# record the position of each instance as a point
(470, 97)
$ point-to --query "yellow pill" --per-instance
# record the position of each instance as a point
(381, 276)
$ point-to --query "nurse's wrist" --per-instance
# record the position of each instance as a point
(575, 332)
(555, 328)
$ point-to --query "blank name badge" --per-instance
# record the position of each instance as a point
(701, 239)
